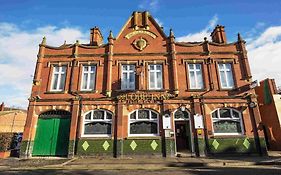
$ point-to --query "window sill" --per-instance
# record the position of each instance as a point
(143, 137)
(55, 92)
(88, 92)
(228, 136)
(96, 136)
(196, 90)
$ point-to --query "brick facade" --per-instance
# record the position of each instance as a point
(142, 42)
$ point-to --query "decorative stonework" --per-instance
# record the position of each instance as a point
(140, 44)
(146, 32)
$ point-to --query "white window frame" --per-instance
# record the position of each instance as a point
(126, 85)
(239, 120)
(138, 120)
(60, 72)
(195, 70)
(154, 72)
(105, 120)
(89, 74)
(224, 71)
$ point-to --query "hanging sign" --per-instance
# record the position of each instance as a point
(167, 121)
(198, 121)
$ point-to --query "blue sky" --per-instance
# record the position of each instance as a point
(23, 23)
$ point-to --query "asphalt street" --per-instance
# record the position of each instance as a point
(254, 170)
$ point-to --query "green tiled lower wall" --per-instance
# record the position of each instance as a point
(95, 147)
(142, 146)
(129, 146)
(234, 146)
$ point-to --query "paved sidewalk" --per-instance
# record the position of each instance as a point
(139, 163)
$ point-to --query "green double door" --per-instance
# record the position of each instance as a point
(52, 137)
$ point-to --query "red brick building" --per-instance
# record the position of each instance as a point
(269, 100)
(142, 92)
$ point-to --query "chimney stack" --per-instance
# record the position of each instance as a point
(96, 38)
(218, 35)
(2, 106)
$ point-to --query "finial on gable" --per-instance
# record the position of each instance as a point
(43, 41)
(171, 33)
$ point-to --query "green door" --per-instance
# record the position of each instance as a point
(52, 137)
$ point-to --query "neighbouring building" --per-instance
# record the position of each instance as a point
(143, 92)
(12, 119)
(269, 100)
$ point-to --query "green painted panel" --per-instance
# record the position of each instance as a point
(51, 137)
(63, 137)
(43, 137)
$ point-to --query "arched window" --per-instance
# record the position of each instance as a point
(181, 115)
(143, 122)
(97, 123)
(227, 121)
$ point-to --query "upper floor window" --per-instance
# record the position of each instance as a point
(58, 78)
(227, 121)
(195, 76)
(97, 123)
(155, 76)
(128, 77)
(88, 77)
(143, 122)
(226, 76)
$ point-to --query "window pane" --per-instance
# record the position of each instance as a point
(159, 79)
(229, 79)
(225, 113)
(88, 116)
(191, 66)
(92, 81)
(108, 115)
(223, 79)
(215, 114)
(198, 66)
(133, 115)
(199, 79)
(62, 81)
(152, 80)
(98, 115)
(143, 114)
(86, 68)
(97, 128)
(143, 127)
(85, 80)
(192, 80)
(227, 126)
(235, 114)
(93, 68)
(159, 67)
(151, 67)
(153, 115)
(55, 81)
(124, 67)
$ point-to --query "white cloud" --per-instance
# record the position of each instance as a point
(151, 5)
(18, 50)
(199, 36)
(264, 53)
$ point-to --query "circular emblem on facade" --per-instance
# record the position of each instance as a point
(140, 44)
